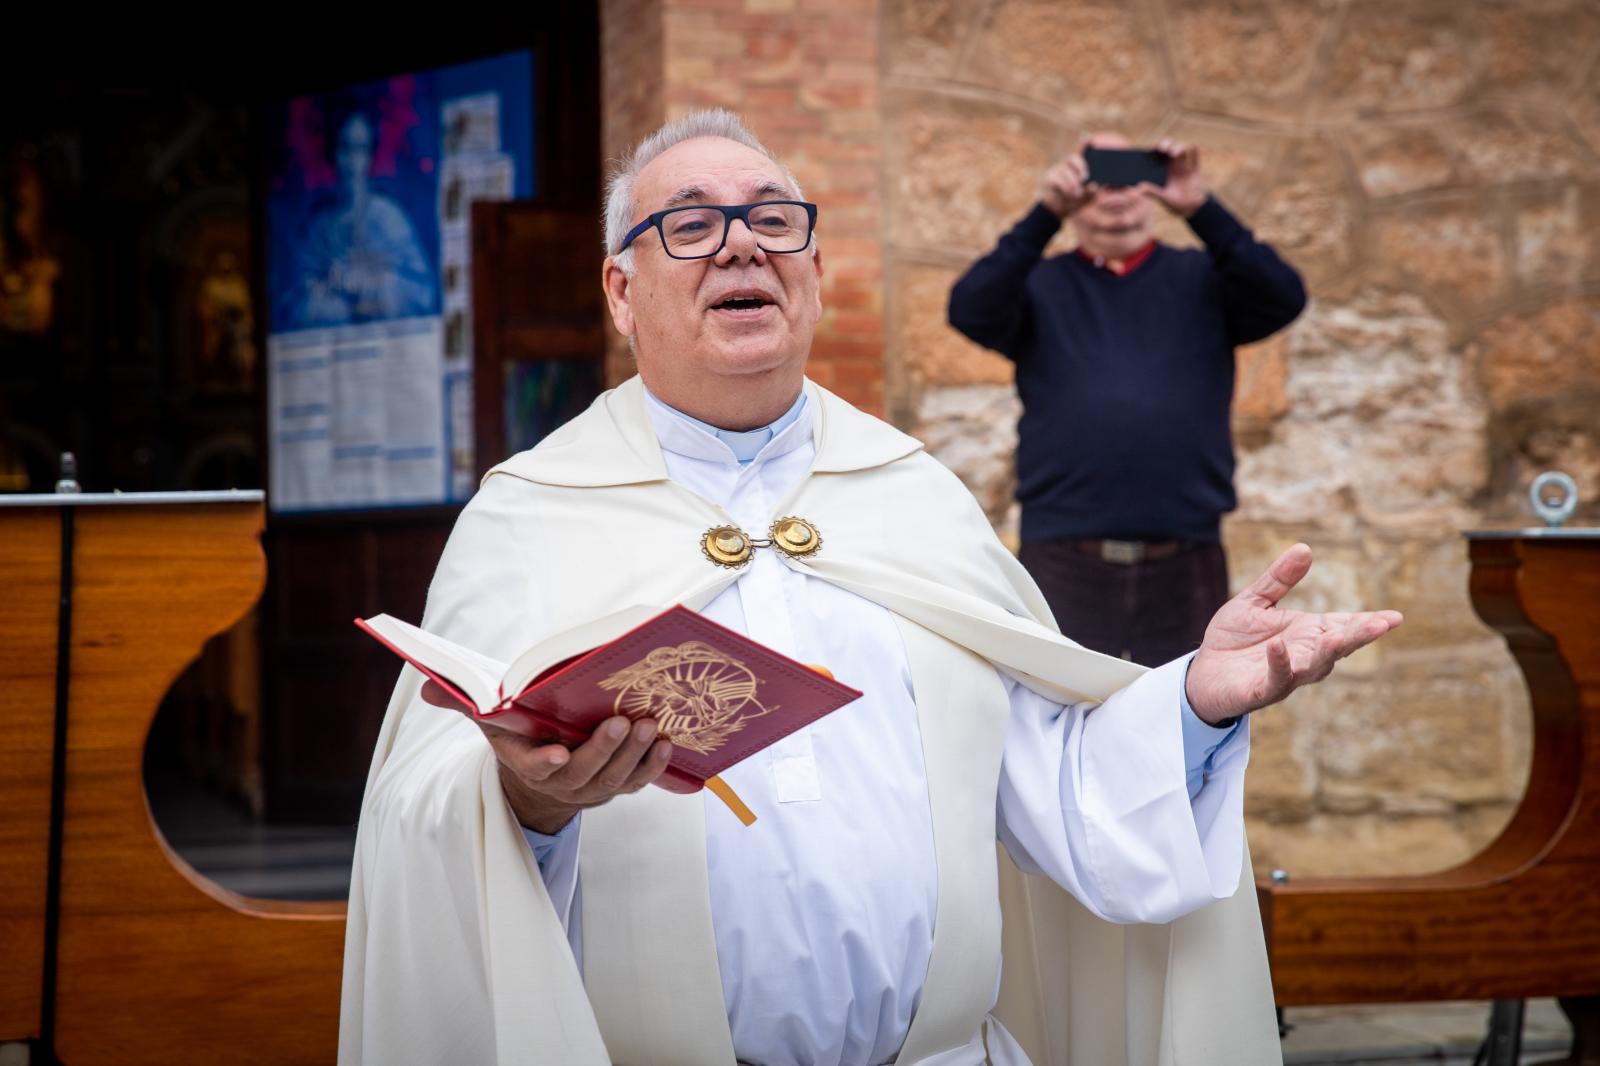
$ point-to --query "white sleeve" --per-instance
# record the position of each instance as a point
(1094, 796)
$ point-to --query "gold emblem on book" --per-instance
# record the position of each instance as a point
(732, 547)
(698, 696)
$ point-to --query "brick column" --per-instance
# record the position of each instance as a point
(804, 75)
(631, 106)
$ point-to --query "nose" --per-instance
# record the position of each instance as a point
(741, 246)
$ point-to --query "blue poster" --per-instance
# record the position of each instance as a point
(353, 235)
(369, 190)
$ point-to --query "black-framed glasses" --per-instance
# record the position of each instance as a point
(700, 231)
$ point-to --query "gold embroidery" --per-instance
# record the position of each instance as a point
(699, 696)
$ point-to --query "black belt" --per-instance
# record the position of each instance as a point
(1129, 552)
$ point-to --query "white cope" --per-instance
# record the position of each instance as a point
(823, 911)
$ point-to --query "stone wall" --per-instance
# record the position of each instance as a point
(1431, 169)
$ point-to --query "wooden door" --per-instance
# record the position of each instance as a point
(538, 346)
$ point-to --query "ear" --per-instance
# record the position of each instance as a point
(618, 287)
(816, 262)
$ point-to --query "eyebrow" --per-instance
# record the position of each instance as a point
(692, 194)
(771, 188)
(689, 194)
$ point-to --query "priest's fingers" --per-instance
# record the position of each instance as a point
(650, 767)
(1280, 671)
(616, 737)
(613, 778)
(1348, 633)
(1341, 636)
(531, 760)
(1284, 574)
(1388, 618)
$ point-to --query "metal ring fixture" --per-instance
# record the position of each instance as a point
(1554, 511)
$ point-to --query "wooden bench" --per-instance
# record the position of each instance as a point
(1521, 919)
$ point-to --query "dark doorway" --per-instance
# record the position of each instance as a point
(132, 334)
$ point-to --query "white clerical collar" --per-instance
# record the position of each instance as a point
(686, 435)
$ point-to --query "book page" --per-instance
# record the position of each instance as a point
(476, 676)
(571, 643)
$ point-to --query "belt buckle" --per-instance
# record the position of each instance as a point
(1125, 552)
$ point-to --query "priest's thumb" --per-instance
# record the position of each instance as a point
(439, 696)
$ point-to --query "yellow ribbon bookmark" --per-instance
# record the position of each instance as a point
(719, 788)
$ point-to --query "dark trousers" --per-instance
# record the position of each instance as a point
(1151, 611)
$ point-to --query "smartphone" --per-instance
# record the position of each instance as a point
(1125, 166)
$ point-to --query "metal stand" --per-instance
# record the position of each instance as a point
(1503, 1045)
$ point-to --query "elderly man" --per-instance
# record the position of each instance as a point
(519, 902)
(1124, 357)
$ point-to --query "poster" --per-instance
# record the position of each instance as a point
(369, 356)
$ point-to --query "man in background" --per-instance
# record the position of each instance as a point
(1124, 353)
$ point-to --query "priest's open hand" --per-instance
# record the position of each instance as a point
(1255, 653)
(547, 784)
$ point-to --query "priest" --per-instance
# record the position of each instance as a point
(514, 902)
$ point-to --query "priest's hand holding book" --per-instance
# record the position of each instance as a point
(601, 710)
(547, 784)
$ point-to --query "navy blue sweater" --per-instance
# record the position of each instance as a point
(1126, 382)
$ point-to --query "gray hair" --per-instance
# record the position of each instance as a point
(619, 187)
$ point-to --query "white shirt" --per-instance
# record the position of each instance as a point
(823, 910)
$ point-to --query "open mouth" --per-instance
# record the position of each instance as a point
(743, 304)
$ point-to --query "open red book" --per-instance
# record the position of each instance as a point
(717, 695)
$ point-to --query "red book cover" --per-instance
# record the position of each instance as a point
(717, 695)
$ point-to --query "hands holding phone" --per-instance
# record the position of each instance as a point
(1185, 189)
(1072, 183)
(1066, 186)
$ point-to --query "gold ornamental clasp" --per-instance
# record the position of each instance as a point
(727, 546)
(732, 547)
(795, 537)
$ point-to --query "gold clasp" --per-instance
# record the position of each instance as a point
(795, 537)
(727, 546)
(732, 547)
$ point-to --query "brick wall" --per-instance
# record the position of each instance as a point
(805, 78)
(631, 73)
